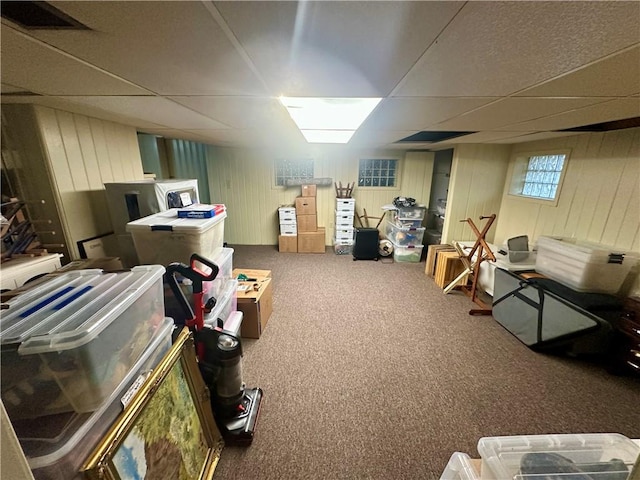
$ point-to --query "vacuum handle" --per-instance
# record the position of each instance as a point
(182, 269)
(197, 275)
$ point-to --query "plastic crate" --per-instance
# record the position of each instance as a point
(57, 445)
(584, 266)
(596, 456)
(399, 221)
(164, 238)
(70, 341)
(403, 236)
(417, 212)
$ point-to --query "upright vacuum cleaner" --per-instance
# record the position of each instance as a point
(234, 406)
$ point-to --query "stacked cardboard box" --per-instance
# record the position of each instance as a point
(256, 305)
(310, 236)
(288, 238)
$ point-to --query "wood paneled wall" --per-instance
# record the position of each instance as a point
(476, 184)
(600, 196)
(243, 179)
(68, 157)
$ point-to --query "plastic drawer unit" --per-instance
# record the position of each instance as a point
(57, 445)
(595, 456)
(164, 238)
(68, 342)
(584, 266)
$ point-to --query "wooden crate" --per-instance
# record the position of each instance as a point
(448, 267)
(432, 253)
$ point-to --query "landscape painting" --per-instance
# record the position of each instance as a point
(167, 440)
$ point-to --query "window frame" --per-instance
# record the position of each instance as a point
(275, 165)
(518, 170)
(398, 175)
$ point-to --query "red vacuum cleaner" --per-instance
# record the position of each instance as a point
(234, 406)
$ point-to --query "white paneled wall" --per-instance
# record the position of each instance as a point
(243, 179)
(600, 196)
(476, 184)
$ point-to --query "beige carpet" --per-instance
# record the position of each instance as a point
(371, 372)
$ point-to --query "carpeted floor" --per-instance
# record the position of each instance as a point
(371, 372)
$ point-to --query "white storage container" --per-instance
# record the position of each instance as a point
(584, 266)
(57, 445)
(407, 253)
(69, 342)
(596, 456)
(342, 247)
(233, 323)
(345, 204)
(344, 234)
(395, 218)
(344, 219)
(224, 261)
(289, 230)
(287, 215)
(164, 238)
(226, 303)
(417, 212)
(403, 236)
(459, 467)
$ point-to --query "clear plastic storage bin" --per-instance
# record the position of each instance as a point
(342, 247)
(226, 303)
(394, 217)
(70, 341)
(57, 445)
(459, 467)
(224, 260)
(409, 253)
(417, 212)
(403, 236)
(164, 238)
(584, 266)
(596, 456)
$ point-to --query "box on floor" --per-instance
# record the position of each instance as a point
(256, 306)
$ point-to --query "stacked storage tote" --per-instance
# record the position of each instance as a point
(288, 238)
(72, 346)
(404, 229)
(345, 213)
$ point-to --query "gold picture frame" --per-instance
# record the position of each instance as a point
(168, 426)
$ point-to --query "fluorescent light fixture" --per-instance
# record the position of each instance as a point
(328, 120)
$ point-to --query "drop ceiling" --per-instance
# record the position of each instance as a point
(507, 72)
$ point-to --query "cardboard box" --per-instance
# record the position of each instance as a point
(288, 243)
(308, 190)
(251, 273)
(311, 242)
(307, 223)
(305, 205)
(256, 307)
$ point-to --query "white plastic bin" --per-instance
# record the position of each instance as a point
(584, 266)
(407, 253)
(597, 456)
(224, 261)
(57, 445)
(164, 238)
(70, 341)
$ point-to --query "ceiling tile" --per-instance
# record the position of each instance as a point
(151, 109)
(365, 137)
(170, 48)
(36, 67)
(352, 49)
(499, 48)
(617, 109)
(512, 110)
(536, 136)
(416, 113)
(617, 75)
(241, 112)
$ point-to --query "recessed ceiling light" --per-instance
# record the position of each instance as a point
(328, 120)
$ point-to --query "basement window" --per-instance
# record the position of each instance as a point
(378, 172)
(293, 169)
(539, 176)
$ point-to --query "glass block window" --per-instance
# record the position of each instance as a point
(293, 169)
(378, 173)
(539, 176)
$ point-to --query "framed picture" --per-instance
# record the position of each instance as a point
(167, 430)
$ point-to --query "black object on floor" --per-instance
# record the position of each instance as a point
(366, 244)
